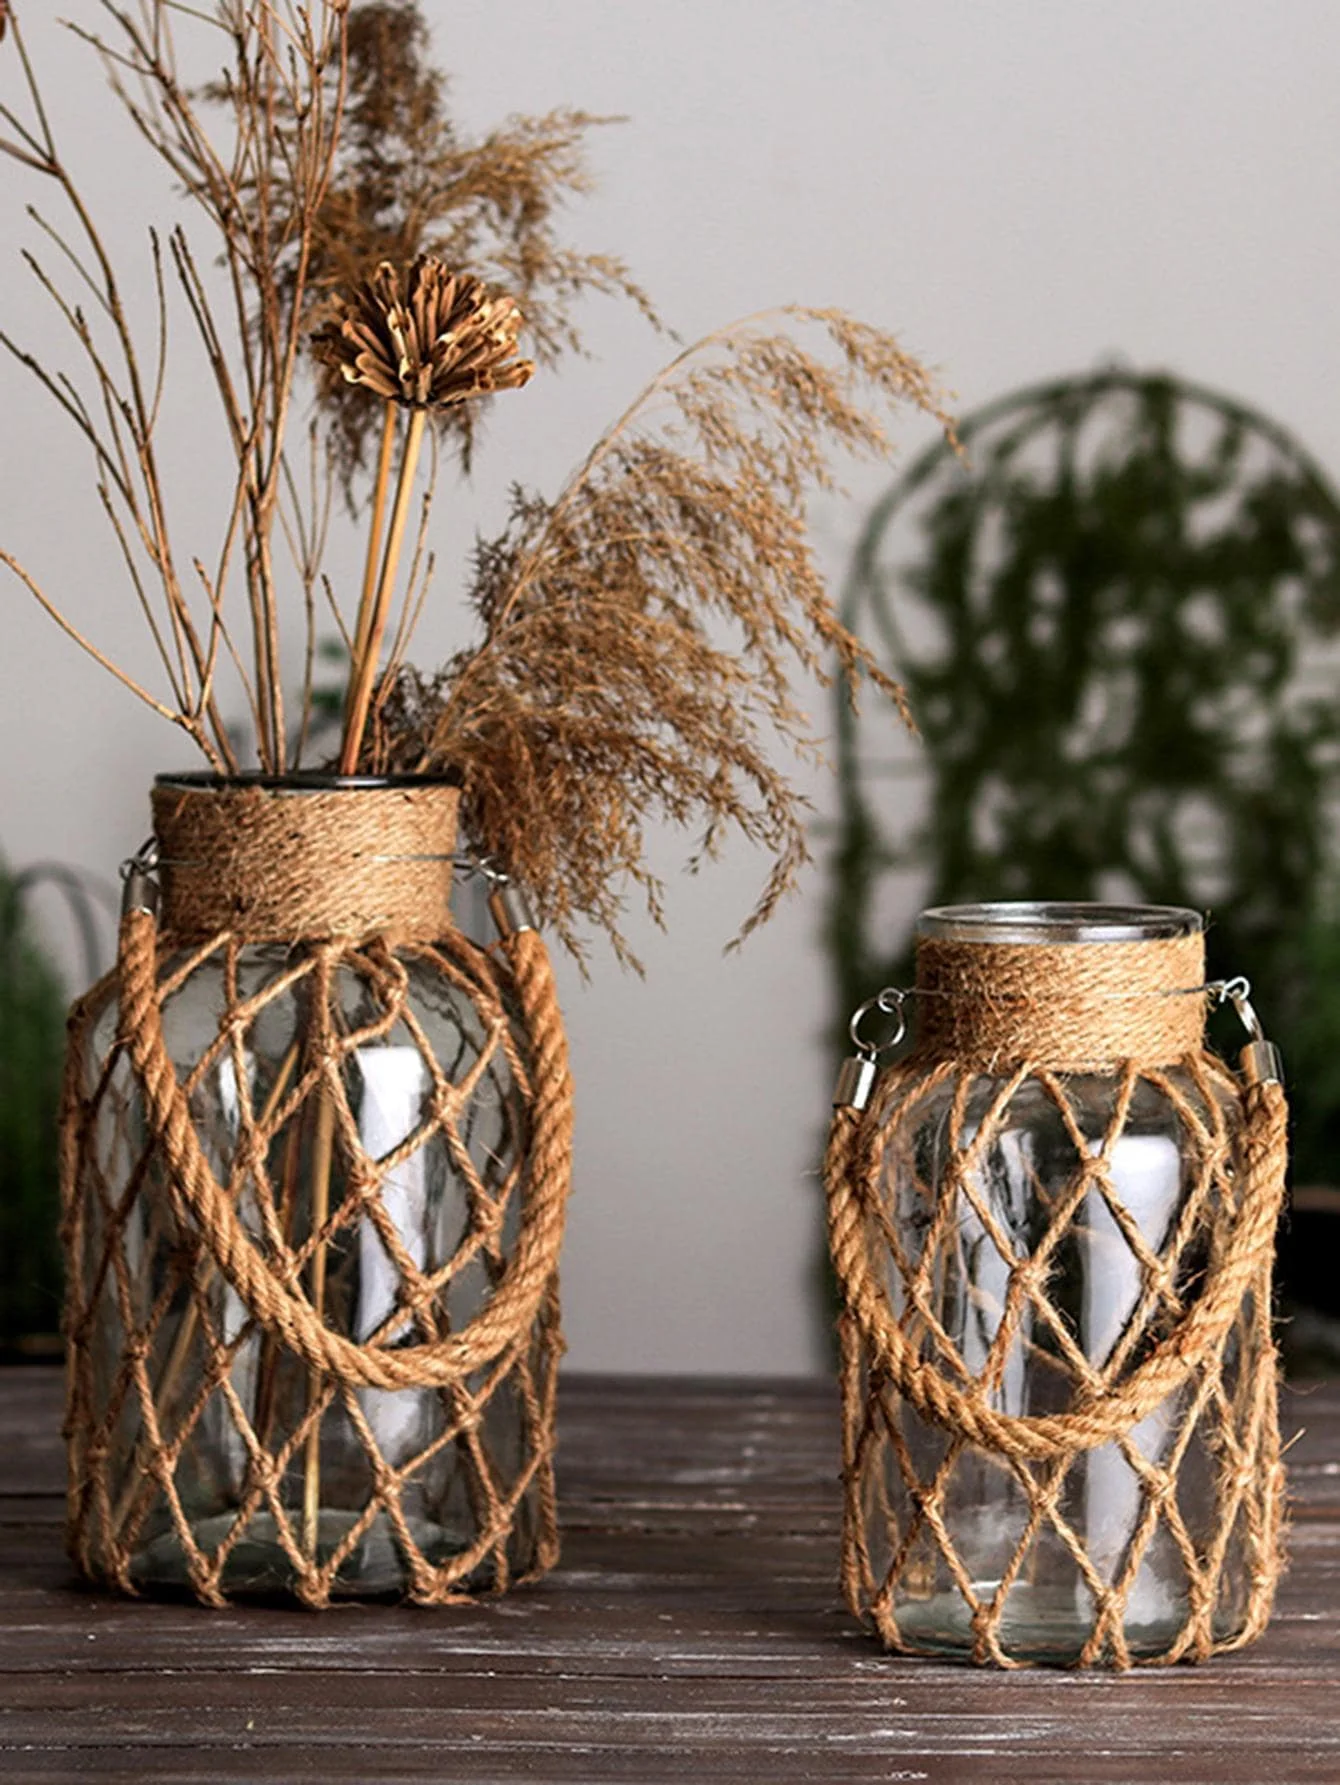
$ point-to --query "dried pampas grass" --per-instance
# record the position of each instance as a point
(641, 632)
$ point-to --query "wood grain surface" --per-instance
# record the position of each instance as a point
(692, 1632)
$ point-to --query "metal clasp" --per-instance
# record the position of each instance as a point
(139, 889)
(508, 905)
(1260, 1061)
(856, 1076)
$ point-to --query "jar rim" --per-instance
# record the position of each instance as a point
(1058, 921)
(299, 781)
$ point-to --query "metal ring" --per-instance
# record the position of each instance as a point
(1229, 991)
(144, 861)
(469, 865)
(1238, 993)
(889, 1002)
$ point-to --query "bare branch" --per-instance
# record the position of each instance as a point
(218, 633)
(141, 595)
(72, 631)
(54, 235)
(63, 393)
(160, 291)
(22, 155)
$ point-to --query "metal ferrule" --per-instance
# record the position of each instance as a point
(139, 892)
(1261, 1063)
(510, 909)
(855, 1082)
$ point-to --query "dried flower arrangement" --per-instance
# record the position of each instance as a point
(637, 635)
(636, 642)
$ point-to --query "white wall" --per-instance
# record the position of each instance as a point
(1021, 188)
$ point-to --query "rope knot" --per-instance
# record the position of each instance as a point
(1029, 1277)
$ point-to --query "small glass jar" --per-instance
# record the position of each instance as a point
(221, 1462)
(1036, 1231)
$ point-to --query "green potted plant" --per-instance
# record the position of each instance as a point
(32, 1047)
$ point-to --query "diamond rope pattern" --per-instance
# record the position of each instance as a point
(998, 1439)
(386, 1130)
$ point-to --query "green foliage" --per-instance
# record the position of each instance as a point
(32, 1042)
(1111, 640)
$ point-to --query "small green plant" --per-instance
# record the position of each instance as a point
(32, 1045)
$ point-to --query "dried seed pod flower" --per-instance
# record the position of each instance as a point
(426, 337)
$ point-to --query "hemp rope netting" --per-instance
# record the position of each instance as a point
(998, 1021)
(355, 883)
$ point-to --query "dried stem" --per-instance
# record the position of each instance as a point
(376, 523)
(189, 722)
(364, 672)
(417, 584)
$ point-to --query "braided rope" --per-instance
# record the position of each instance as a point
(282, 1309)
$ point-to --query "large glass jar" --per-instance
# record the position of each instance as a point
(1036, 1228)
(364, 1105)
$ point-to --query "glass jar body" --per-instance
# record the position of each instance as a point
(365, 1111)
(1040, 1236)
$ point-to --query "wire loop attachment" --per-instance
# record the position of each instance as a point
(856, 1076)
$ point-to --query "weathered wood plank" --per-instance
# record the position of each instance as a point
(692, 1632)
(927, 1715)
(499, 1760)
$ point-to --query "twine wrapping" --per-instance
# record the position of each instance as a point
(1197, 1350)
(1078, 1007)
(127, 1430)
(269, 865)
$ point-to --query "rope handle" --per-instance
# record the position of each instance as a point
(285, 1312)
(851, 1169)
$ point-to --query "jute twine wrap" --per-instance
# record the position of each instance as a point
(133, 1418)
(271, 866)
(1197, 1349)
(1078, 1007)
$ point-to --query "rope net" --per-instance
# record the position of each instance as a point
(313, 1199)
(1056, 1391)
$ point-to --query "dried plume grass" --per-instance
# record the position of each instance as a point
(641, 633)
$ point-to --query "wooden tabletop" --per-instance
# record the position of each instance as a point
(692, 1631)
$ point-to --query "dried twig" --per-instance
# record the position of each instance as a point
(285, 172)
(320, 148)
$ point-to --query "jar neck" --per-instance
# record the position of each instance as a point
(1063, 988)
(1055, 922)
(305, 858)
